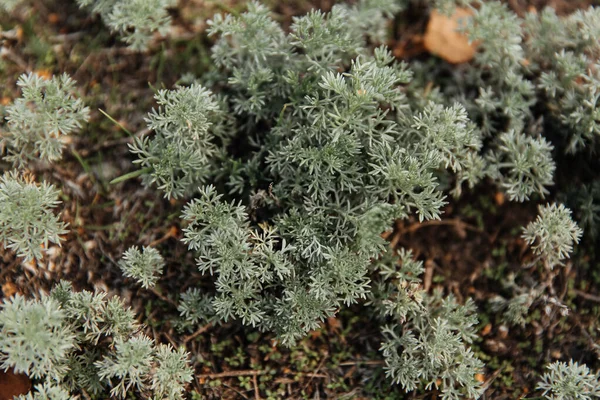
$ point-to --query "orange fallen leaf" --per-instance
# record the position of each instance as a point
(5, 101)
(442, 39)
(9, 289)
(19, 34)
(334, 324)
(53, 18)
(486, 330)
(173, 231)
(480, 378)
(44, 73)
(315, 334)
(499, 198)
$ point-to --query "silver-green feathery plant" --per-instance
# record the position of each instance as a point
(82, 341)
(196, 307)
(35, 337)
(570, 381)
(553, 234)
(522, 165)
(134, 20)
(39, 120)
(301, 147)
(302, 152)
(47, 391)
(190, 131)
(27, 221)
(9, 5)
(426, 340)
(552, 237)
(144, 266)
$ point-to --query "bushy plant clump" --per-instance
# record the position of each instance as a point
(38, 122)
(326, 167)
(552, 237)
(539, 60)
(9, 5)
(27, 221)
(144, 266)
(570, 381)
(134, 20)
(82, 341)
(299, 149)
(310, 150)
(553, 234)
(190, 130)
(532, 89)
(426, 342)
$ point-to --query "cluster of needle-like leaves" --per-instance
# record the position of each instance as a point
(82, 341)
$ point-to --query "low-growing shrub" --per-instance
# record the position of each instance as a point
(83, 341)
(38, 122)
(134, 20)
(27, 220)
(296, 151)
(570, 381)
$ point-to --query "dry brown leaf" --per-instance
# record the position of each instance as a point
(486, 330)
(442, 39)
(53, 18)
(334, 324)
(12, 384)
(9, 289)
(44, 73)
(499, 198)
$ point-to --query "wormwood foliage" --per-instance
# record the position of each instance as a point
(27, 221)
(9, 5)
(301, 149)
(296, 151)
(144, 266)
(82, 341)
(585, 203)
(134, 20)
(196, 306)
(552, 237)
(427, 336)
(324, 168)
(522, 165)
(541, 60)
(47, 391)
(38, 122)
(35, 337)
(553, 233)
(569, 381)
(190, 132)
